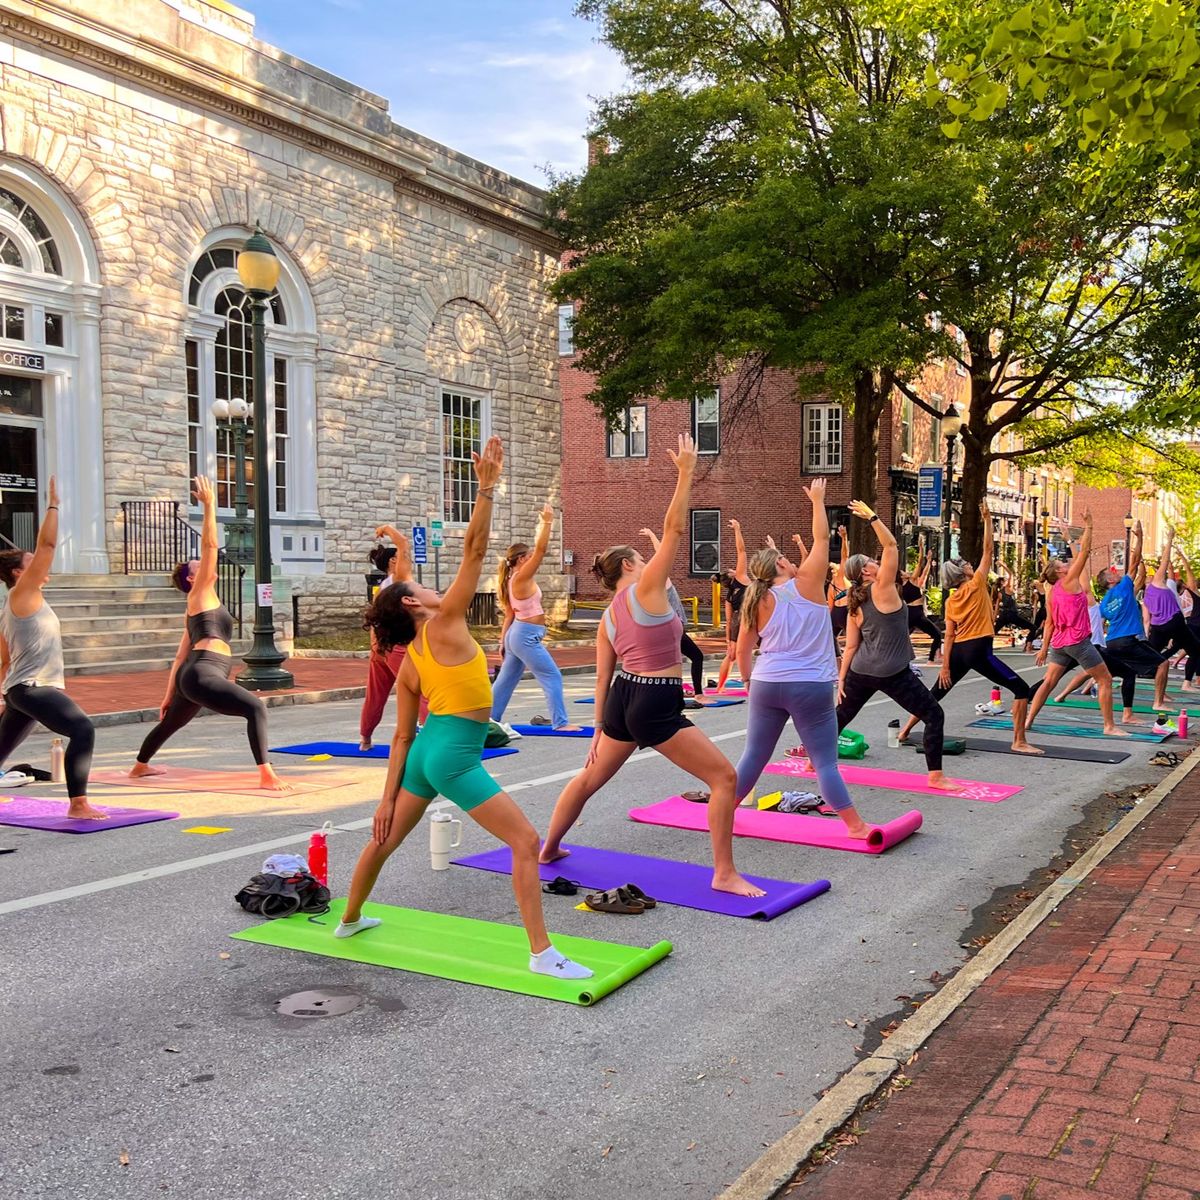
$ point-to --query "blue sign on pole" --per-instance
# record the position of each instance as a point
(420, 544)
(929, 491)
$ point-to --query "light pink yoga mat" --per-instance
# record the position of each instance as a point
(185, 779)
(827, 832)
(898, 781)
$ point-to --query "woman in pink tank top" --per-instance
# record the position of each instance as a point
(1067, 640)
(642, 703)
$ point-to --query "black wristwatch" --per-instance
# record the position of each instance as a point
(873, 517)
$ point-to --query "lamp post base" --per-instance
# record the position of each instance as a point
(264, 671)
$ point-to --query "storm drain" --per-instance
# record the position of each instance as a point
(319, 1002)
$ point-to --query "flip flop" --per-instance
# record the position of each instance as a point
(1165, 758)
(635, 893)
(611, 902)
(560, 885)
(695, 797)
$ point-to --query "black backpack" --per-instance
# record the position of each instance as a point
(274, 896)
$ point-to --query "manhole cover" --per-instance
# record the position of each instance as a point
(319, 1002)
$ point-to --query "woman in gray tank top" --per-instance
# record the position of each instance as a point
(878, 649)
(31, 661)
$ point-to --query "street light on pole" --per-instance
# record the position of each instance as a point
(951, 425)
(1128, 537)
(1035, 494)
(258, 269)
(239, 533)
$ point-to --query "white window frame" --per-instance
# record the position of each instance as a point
(566, 333)
(484, 400)
(703, 572)
(619, 443)
(907, 432)
(823, 462)
(711, 397)
(960, 340)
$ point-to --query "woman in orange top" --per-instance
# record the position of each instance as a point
(969, 633)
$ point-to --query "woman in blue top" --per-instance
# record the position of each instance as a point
(796, 672)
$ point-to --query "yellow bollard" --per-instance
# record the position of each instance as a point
(717, 615)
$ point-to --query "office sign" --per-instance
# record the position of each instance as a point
(929, 492)
(18, 358)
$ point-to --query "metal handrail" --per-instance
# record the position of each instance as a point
(156, 538)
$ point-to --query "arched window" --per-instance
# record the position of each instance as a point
(219, 361)
(44, 256)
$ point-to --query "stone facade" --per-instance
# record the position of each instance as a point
(166, 128)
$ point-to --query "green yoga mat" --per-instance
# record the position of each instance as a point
(460, 948)
(1094, 705)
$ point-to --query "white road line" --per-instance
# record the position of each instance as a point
(205, 860)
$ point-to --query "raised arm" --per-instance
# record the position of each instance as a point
(541, 543)
(889, 557)
(204, 586)
(1164, 560)
(810, 576)
(802, 549)
(1189, 576)
(1080, 561)
(461, 592)
(35, 575)
(989, 543)
(653, 538)
(652, 587)
(926, 566)
(740, 571)
(1135, 552)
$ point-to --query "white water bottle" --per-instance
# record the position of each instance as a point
(442, 839)
(58, 758)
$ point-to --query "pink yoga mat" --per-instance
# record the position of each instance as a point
(898, 781)
(678, 813)
(185, 779)
(35, 813)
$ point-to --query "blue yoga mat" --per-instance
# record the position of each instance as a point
(721, 703)
(351, 750)
(1064, 730)
(546, 731)
(686, 884)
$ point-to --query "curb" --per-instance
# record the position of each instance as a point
(774, 1168)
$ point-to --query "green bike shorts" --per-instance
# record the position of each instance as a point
(445, 759)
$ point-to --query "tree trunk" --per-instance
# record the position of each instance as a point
(976, 464)
(871, 394)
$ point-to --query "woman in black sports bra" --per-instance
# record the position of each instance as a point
(912, 592)
(200, 674)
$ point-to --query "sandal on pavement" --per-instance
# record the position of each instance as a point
(560, 885)
(635, 893)
(695, 797)
(1165, 758)
(539, 720)
(611, 902)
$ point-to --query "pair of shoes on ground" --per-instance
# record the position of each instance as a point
(513, 735)
(1165, 758)
(626, 899)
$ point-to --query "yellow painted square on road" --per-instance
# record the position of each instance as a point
(210, 829)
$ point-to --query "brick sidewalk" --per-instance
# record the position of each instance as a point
(1072, 1072)
(143, 690)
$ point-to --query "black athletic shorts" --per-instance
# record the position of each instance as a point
(644, 709)
(839, 616)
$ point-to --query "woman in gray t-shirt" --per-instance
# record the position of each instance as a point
(878, 649)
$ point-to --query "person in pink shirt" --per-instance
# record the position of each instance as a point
(1067, 640)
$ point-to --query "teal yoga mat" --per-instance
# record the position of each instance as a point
(1065, 729)
(1090, 705)
(460, 948)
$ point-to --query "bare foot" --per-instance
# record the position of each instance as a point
(1134, 721)
(270, 782)
(1113, 731)
(81, 810)
(1023, 747)
(569, 729)
(733, 882)
(140, 770)
(859, 829)
(549, 856)
(365, 745)
(939, 781)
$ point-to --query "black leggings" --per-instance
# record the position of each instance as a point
(907, 691)
(975, 654)
(26, 705)
(203, 682)
(918, 618)
(1130, 659)
(1011, 618)
(1192, 663)
(1174, 636)
(695, 656)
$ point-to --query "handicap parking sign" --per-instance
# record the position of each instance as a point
(420, 544)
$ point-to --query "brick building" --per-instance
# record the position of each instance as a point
(1110, 507)
(616, 483)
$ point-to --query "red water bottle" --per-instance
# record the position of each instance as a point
(318, 854)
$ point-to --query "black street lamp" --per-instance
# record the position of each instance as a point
(239, 533)
(951, 424)
(258, 269)
(1128, 537)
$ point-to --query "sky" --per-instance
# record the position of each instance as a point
(509, 82)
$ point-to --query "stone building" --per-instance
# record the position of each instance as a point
(140, 140)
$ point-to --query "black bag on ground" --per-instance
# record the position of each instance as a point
(950, 745)
(275, 896)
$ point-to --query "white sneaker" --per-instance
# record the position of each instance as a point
(512, 733)
(15, 779)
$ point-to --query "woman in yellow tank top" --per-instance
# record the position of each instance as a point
(447, 666)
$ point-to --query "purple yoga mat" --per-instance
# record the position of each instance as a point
(51, 815)
(686, 884)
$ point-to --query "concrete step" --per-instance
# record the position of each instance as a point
(146, 608)
(131, 666)
(128, 651)
(74, 640)
(85, 582)
(146, 595)
(139, 625)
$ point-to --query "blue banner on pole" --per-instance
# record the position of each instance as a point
(929, 491)
(420, 544)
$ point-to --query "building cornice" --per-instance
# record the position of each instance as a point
(411, 167)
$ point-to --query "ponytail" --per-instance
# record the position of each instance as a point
(859, 591)
(763, 567)
(609, 566)
(511, 557)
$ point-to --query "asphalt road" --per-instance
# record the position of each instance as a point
(142, 1055)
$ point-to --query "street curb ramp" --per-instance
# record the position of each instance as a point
(775, 1167)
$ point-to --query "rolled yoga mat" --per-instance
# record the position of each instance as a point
(188, 779)
(826, 832)
(51, 815)
(685, 884)
(1070, 753)
(546, 731)
(898, 781)
(460, 948)
(351, 750)
(1065, 729)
